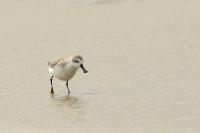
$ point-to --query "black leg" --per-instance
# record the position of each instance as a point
(67, 87)
(51, 79)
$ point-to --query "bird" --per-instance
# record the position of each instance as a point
(65, 68)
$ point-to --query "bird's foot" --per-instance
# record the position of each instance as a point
(52, 92)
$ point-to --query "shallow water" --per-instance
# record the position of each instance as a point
(142, 56)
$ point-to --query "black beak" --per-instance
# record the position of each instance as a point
(83, 68)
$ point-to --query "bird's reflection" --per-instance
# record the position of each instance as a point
(68, 100)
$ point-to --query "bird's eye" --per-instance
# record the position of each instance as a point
(76, 61)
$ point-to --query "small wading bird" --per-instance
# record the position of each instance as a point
(65, 68)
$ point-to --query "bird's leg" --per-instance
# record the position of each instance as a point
(67, 87)
(51, 79)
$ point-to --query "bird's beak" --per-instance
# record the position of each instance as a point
(83, 68)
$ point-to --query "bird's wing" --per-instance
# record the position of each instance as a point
(61, 61)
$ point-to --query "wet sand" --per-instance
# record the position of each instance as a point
(143, 60)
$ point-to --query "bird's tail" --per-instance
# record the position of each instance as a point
(49, 63)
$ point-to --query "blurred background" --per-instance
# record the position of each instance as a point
(142, 55)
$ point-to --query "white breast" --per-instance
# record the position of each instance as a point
(63, 72)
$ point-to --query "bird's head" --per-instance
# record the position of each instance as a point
(77, 61)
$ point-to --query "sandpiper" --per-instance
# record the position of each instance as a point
(65, 68)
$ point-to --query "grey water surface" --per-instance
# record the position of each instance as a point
(143, 60)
